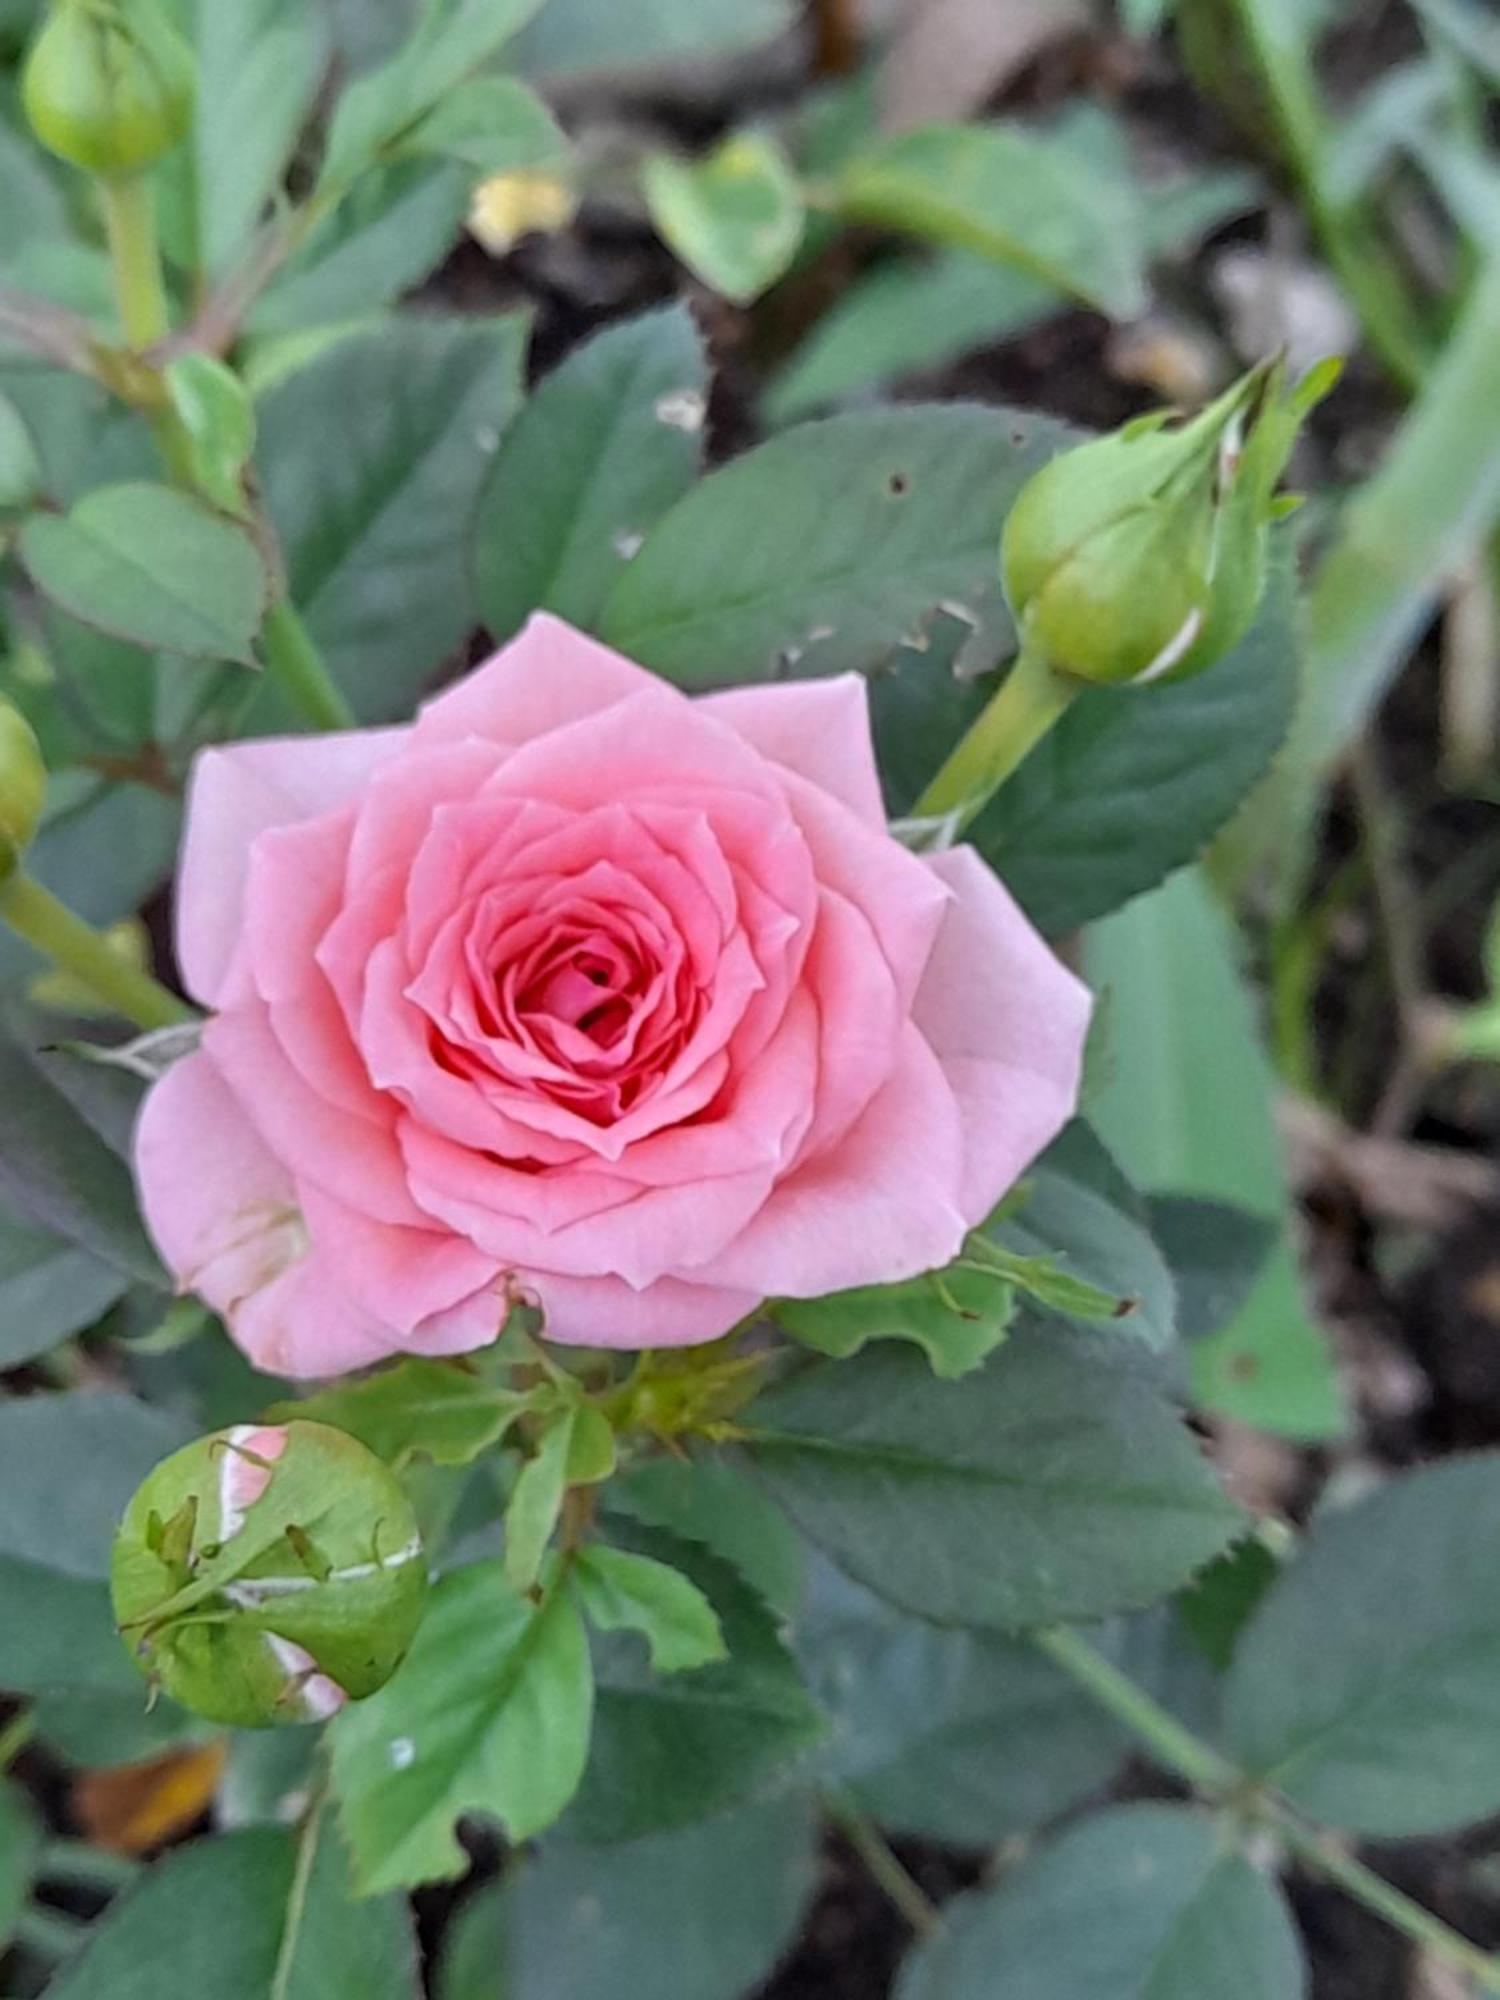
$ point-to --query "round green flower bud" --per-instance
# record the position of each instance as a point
(23, 787)
(268, 1574)
(108, 85)
(1141, 556)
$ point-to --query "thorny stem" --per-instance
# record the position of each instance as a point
(1224, 1783)
(35, 914)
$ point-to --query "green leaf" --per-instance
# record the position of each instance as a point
(708, 1500)
(536, 1501)
(820, 548)
(154, 566)
(57, 1171)
(415, 1408)
(20, 468)
(219, 418)
(956, 1736)
(1189, 1111)
(579, 36)
(1128, 788)
(1364, 1685)
(260, 63)
(1140, 1903)
(48, 1290)
(668, 1752)
(1060, 1459)
(388, 235)
(1076, 1210)
(452, 39)
(619, 1591)
(956, 1316)
(701, 1914)
(1214, 1609)
(372, 459)
(234, 1917)
(607, 443)
(32, 206)
(20, 1850)
(735, 217)
(1216, 1253)
(1020, 197)
(489, 1713)
(495, 125)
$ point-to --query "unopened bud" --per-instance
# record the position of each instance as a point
(108, 85)
(269, 1574)
(1142, 556)
(23, 787)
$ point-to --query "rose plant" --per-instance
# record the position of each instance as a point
(576, 1287)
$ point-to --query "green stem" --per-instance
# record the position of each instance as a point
(296, 1908)
(1209, 1771)
(130, 219)
(1177, 1748)
(886, 1871)
(15, 1735)
(1023, 708)
(52, 928)
(295, 662)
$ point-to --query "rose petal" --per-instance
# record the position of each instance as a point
(820, 729)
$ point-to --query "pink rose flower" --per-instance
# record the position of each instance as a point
(579, 986)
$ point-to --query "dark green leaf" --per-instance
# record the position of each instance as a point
(153, 566)
(20, 1850)
(946, 1735)
(707, 1500)
(372, 460)
(573, 36)
(1364, 1685)
(1060, 1460)
(701, 1914)
(1142, 1903)
(48, 1290)
(1215, 1607)
(607, 443)
(231, 1917)
(822, 548)
(495, 125)
(489, 1713)
(1216, 1253)
(668, 1751)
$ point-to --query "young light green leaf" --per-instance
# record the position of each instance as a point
(956, 1316)
(251, 1913)
(416, 1408)
(605, 445)
(1188, 1109)
(735, 218)
(1052, 1288)
(20, 468)
(490, 1713)
(493, 124)
(536, 1501)
(620, 1591)
(219, 418)
(862, 525)
(1140, 1903)
(1060, 1458)
(452, 39)
(1017, 196)
(154, 566)
(1398, 1735)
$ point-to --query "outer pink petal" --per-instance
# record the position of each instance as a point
(1008, 1023)
(548, 675)
(224, 1216)
(605, 1312)
(819, 729)
(434, 1289)
(238, 791)
(880, 1206)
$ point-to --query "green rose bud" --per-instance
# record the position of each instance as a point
(23, 787)
(1141, 556)
(108, 85)
(269, 1574)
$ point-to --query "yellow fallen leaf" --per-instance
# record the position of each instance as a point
(133, 1808)
(507, 207)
